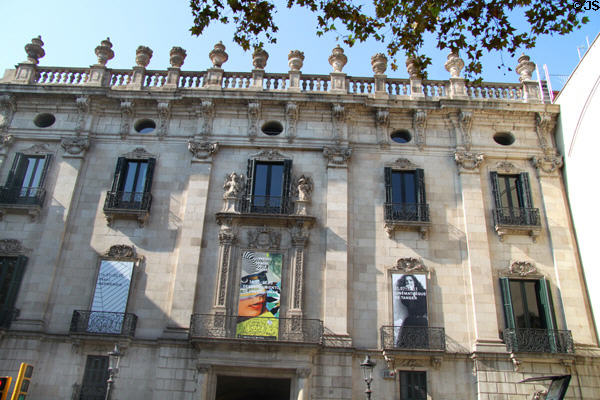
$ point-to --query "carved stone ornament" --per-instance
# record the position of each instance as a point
(521, 269)
(402, 164)
(382, 122)
(35, 50)
(525, 68)
(548, 163)
(468, 161)
(139, 153)
(121, 251)
(299, 235)
(379, 63)
(409, 363)
(207, 112)
(164, 113)
(303, 373)
(75, 145)
(270, 155)
(419, 125)
(11, 247)
(413, 69)
(253, 115)
(202, 150)
(259, 58)
(506, 167)
(104, 52)
(337, 156)
(295, 60)
(126, 117)
(226, 235)
(454, 65)
(177, 56)
(465, 122)
(8, 105)
(436, 362)
(83, 106)
(544, 126)
(303, 188)
(36, 149)
(234, 186)
(218, 56)
(291, 119)
(264, 238)
(6, 140)
(410, 265)
(338, 114)
(540, 395)
(143, 54)
(337, 59)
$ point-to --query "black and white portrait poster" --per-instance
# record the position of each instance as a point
(409, 302)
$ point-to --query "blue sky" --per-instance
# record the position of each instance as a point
(72, 29)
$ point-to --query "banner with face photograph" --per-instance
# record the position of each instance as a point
(409, 302)
(260, 290)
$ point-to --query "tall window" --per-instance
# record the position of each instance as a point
(269, 186)
(95, 378)
(512, 197)
(26, 179)
(11, 275)
(527, 304)
(413, 385)
(405, 195)
(132, 183)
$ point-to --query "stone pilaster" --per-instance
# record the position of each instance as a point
(202, 373)
(227, 237)
(299, 239)
(335, 296)
(302, 384)
(481, 289)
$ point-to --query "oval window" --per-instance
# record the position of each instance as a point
(145, 126)
(401, 136)
(44, 120)
(504, 138)
(272, 128)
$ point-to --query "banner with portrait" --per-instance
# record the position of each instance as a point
(409, 305)
(260, 290)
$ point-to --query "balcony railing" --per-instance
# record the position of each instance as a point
(22, 196)
(128, 201)
(528, 340)
(413, 338)
(406, 212)
(517, 216)
(267, 205)
(290, 330)
(103, 323)
(7, 316)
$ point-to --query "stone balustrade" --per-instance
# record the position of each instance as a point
(216, 78)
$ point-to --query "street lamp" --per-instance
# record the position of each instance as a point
(114, 357)
(367, 369)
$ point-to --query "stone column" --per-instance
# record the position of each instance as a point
(299, 239)
(41, 270)
(302, 384)
(227, 239)
(562, 243)
(202, 373)
(186, 272)
(479, 268)
(335, 298)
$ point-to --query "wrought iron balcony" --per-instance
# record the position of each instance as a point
(528, 340)
(517, 216)
(406, 212)
(103, 323)
(7, 315)
(289, 330)
(127, 204)
(413, 338)
(267, 205)
(18, 199)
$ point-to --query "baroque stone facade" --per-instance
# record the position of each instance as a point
(323, 194)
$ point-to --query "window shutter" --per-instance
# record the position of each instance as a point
(546, 300)
(149, 175)
(15, 281)
(247, 201)
(526, 191)
(287, 185)
(16, 171)
(119, 174)
(420, 175)
(495, 191)
(387, 172)
(47, 161)
(509, 316)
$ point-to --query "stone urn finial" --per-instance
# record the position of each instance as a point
(218, 56)
(454, 65)
(259, 58)
(143, 55)
(34, 50)
(337, 59)
(104, 52)
(525, 68)
(413, 69)
(379, 63)
(177, 56)
(295, 60)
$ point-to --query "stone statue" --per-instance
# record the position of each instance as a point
(233, 186)
(305, 188)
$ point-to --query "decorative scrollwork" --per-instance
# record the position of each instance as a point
(410, 265)
(506, 167)
(468, 161)
(10, 247)
(202, 150)
(264, 238)
(121, 251)
(522, 268)
(139, 153)
(337, 156)
(75, 145)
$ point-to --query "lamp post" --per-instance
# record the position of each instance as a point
(114, 357)
(367, 369)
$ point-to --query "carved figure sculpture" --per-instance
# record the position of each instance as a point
(233, 186)
(305, 188)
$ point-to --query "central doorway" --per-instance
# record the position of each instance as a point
(252, 388)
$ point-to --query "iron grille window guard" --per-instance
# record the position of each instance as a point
(7, 316)
(529, 340)
(25, 196)
(291, 330)
(406, 212)
(517, 216)
(266, 204)
(103, 323)
(413, 338)
(128, 201)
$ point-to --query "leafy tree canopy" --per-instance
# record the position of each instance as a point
(469, 27)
